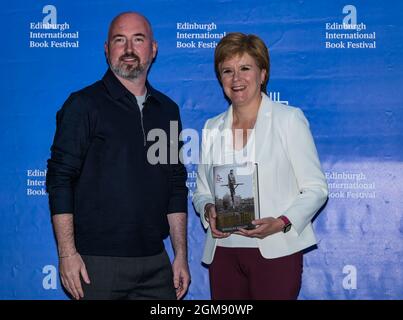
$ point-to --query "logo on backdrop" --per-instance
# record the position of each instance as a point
(191, 180)
(194, 35)
(48, 33)
(350, 280)
(36, 179)
(349, 33)
(350, 185)
(49, 281)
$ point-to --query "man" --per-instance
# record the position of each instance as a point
(111, 208)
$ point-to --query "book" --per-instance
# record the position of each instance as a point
(236, 193)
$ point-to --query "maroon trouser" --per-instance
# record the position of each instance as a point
(243, 273)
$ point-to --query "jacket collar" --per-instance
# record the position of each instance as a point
(264, 112)
(117, 90)
(261, 129)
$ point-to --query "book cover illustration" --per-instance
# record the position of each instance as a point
(236, 196)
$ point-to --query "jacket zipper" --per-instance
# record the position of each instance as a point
(142, 128)
(141, 117)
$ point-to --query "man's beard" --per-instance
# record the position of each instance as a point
(129, 71)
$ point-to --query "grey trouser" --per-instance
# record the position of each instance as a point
(129, 278)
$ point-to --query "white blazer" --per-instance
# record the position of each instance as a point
(291, 181)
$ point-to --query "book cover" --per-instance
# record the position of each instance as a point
(236, 192)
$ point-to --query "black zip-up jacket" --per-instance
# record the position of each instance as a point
(99, 171)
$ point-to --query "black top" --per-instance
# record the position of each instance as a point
(99, 170)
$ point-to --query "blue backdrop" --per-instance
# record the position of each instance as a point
(340, 62)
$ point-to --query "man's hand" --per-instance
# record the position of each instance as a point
(178, 231)
(70, 269)
(71, 265)
(181, 276)
(211, 217)
(265, 227)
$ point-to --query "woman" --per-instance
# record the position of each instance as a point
(264, 262)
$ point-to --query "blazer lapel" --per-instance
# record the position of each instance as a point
(261, 131)
(263, 125)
